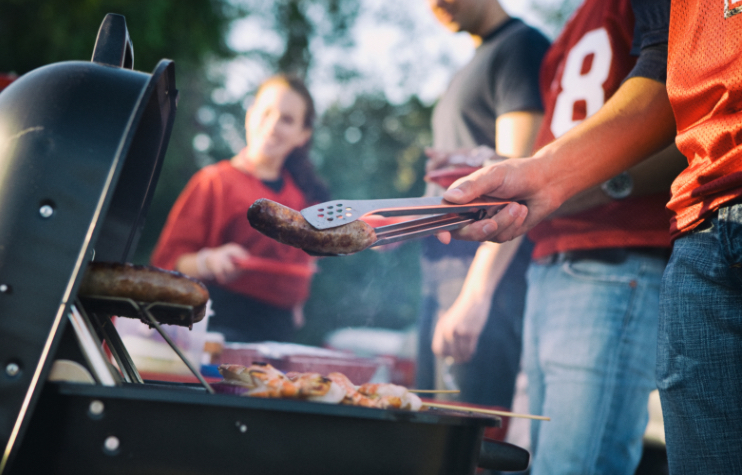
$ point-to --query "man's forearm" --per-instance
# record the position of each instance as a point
(654, 175)
(634, 124)
(515, 133)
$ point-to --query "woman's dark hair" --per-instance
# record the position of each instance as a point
(298, 163)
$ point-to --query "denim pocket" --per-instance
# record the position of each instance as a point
(599, 272)
(731, 220)
(730, 225)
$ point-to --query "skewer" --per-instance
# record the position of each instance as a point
(484, 411)
(435, 391)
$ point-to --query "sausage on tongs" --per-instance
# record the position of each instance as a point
(288, 226)
(338, 227)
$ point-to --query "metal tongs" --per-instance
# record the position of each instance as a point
(445, 216)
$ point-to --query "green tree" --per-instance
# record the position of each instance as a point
(368, 150)
(37, 32)
(190, 32)
(554, 14)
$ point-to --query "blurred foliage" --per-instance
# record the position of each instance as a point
(368, 149)
(190, 32)
(298, 23)
(554, 14)
(377, 147)
(38, 32)
(371, 149)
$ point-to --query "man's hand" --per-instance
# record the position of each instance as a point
(457, 331)
(514, 179)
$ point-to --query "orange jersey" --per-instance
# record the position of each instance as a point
(704, 82)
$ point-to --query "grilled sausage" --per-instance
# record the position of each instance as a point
(289, 227)
(144, 284)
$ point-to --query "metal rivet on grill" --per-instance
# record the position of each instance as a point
(96, 408)
(241, 427)
(111, 444)
(46, 211)
(12, 369)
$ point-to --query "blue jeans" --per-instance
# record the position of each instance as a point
(699, 355)
(590, 334)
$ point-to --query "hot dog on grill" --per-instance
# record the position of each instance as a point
(288, 226)
(144, 284)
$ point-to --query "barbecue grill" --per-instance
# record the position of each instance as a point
(81, 148)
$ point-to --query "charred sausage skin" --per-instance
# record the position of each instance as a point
(288, 226)
(144, 284)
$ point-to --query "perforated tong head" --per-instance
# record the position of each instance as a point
(444, 215)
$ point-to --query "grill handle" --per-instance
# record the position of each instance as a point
(113, 46)
(496, 455)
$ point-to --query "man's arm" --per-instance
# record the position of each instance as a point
(654, 175)
(515, 133)
(634, 124)
(458, 329)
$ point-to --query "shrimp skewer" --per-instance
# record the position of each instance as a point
(408, 400)
(263, 380)
(315, 387)
(354, 397)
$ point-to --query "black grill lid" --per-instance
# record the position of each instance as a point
(81, 147)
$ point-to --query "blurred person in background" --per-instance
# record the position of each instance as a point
(492, 102)
(6, 79)
(257, 285)
(685, 86)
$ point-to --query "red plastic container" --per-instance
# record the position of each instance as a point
(290, 358)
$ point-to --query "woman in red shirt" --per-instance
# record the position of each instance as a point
(257, 285)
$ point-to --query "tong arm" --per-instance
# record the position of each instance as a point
(417, 228)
